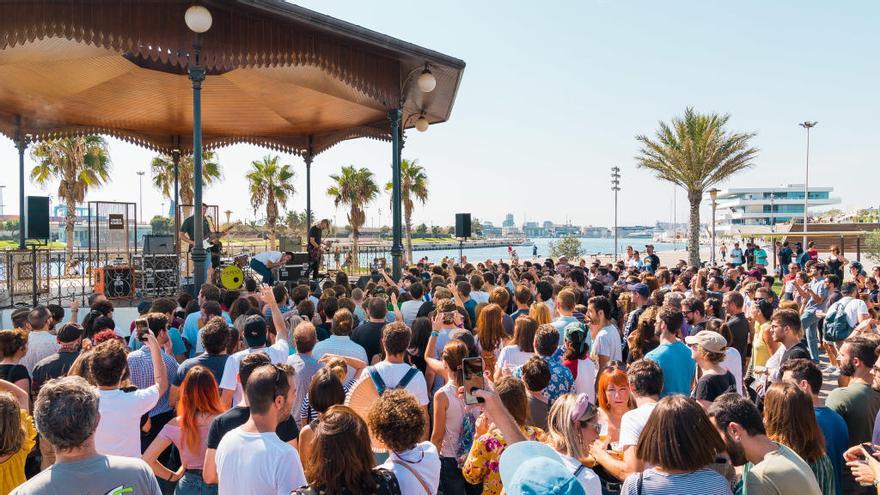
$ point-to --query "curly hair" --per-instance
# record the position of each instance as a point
(397, 420)
(66, 412)
(12, 341)
(108, 363)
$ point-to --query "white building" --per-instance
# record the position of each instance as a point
(760, 208)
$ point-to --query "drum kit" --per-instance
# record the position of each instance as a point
(232, 271)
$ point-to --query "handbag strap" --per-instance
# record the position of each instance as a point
(414, 473)
(640, 483)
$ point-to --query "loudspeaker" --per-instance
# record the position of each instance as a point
(299, 259)
(292, 273)
(115, 282)
(37, 217)
(158, 244)
(462, 225)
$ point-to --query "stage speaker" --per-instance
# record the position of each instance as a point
(299, 259)
(462, 225)
(115, 282)
(37, 217)
(158, 244)
(292, 273)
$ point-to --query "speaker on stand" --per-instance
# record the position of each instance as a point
(462, 231)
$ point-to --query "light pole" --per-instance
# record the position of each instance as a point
(772, 213)
(141, 194)
(615, 186)
(2, 206)
(807, 125)
(198, 20)
(713, 194)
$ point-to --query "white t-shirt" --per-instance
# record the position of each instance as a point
(733, 363)
(480, 296)
(852, 307)
(267, 257)
(119, 430)
(587, 478)
(586, 379)
(428, 468)
(607, 343)
(511, 356)
(410, 310)
(257, 463)
(278, 353)
(632, 423)
(392, 373)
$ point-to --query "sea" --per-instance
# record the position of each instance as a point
(591, 246)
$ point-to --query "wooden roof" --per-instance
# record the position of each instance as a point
(279, 75)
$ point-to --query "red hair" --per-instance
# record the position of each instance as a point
(104, 335)
(199, 396)
(606, 379)
(490, 327)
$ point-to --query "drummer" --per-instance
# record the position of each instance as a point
(263, 263)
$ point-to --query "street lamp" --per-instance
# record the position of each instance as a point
(772, 212)
(141, 194)
(713, 193)
(807, 125)
(615, 186)
(198, 19)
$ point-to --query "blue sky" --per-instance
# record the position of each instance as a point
(554, 93)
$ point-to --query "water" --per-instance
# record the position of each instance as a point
(591, 246)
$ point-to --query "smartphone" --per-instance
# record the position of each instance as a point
(869, 449)
(472, 379)
(141, 328)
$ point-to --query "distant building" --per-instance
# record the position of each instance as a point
(490, 230)
(757, 208)
(596, 232)
(508, 221)
(532, 229)
(548, 225)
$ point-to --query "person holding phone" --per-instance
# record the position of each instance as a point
(862, 460)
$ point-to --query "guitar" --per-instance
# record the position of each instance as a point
(213, 238)
(315, 254)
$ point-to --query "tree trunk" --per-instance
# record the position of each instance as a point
(408, 221)
(355, 261)
(271, 217)
(69, 223)
(694, 198)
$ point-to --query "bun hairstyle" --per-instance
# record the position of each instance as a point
(453, 355)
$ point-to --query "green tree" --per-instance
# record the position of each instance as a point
(695, 152)
(568, 246)
(296, 222)
(436, 231)
(354, 188)
(79, 163)
(422, 230)
(162, 169)
(162, 225)
(413, 187)
(270, 184)
(872, 246)
(476, 227)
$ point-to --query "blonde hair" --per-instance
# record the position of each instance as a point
(540, 312)
(564, 434)
(338, 366)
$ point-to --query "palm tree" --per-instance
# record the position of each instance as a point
(413, 186)
(79, 163)
(162, 168)
(270, 184)
(355, 188)
(296, 222)
(696, 152)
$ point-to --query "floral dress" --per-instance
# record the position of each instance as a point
(482, 461)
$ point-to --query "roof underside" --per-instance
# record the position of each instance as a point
(279, 75)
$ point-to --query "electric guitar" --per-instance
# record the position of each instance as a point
(213, 238)
(316, 254)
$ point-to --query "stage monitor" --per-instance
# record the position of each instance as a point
(158, 244)
(37, 218)
(462, 225)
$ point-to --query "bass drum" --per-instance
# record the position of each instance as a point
(231, 277)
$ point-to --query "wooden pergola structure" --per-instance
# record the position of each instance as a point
(266, 72)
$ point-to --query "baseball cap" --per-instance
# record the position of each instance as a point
(708, 340)
(573, 328)
(641, 288)
(754, 272)
(533, 467)
(69, 333)
(255, 331)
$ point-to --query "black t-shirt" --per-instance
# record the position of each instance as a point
(739, 327)
(314, 233)
(797, 351)
(54, 366)
(322, 331)
(710, 386)
(15, 372)
(785, 256)
(188, 227)
(369, 336)
(425, 309)
(213, 362)
(287, 430)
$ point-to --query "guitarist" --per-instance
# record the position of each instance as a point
(187, 234)
(314, 246)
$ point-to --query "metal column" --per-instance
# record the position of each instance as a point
(396, 222)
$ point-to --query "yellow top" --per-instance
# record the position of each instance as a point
(12, 469)
(760, 349)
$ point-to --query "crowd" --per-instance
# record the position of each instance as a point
(459, 378)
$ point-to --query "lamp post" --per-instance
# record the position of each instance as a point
(141, 194)
(807, 125)
(198, 20)
(772, 213)
(713, 194)
(615, 186)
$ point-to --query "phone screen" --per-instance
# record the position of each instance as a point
(472, 378)
(141, 328)
(869, 449)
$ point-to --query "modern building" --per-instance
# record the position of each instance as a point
(508, 220)
(761, 208)
(532, 229)
(598, 232)
(490, 230)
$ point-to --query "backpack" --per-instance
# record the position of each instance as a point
(836, 323)
(380, 384)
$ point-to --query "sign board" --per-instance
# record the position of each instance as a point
(117, 221)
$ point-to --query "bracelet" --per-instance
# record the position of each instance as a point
(435, 333)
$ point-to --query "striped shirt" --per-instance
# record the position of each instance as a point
(703, 481)
(341, 346)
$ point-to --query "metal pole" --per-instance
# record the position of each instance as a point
(394, 116)
(807, 125)
(175, 159)
(197, 75)
(714, 205)
(615, 186)
(308, 158)
(21, 145)
(141, 194)
(2, 206)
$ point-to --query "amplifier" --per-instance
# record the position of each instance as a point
(292, 273)
(300, 259)
(115, 282)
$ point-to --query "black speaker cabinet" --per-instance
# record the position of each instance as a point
(37, 217)
(462, 225)
(115, 282)
(158, 244)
